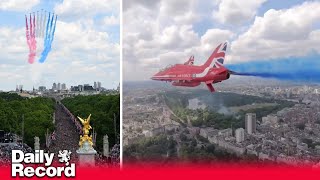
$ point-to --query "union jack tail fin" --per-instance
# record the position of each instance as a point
(216, 59)
(219, 61)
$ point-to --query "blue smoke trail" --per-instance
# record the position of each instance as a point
(43, 57)
(47, 27)
(305, 69)
(49, 37)
(50, 29)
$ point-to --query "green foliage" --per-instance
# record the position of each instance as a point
(151, 148)
(178, 102)
(102, 108)
(264, 111)
(37, 114)
(175, 99)
(213, 119)
(10, 96)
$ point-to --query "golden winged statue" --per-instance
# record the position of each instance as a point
(86, 130)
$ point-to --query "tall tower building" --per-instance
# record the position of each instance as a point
(80, 87)
(20, 88)
(54, 86)
(95, 86)
(250, 123)
(59, 86)
(239, 135)
(63, 86)
(42, 88)
(99, 85)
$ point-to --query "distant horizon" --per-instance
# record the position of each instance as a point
(232, 81)
(50, 86)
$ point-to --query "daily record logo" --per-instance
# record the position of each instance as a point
(40, 157)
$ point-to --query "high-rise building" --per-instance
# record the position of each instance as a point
(95, 86)
(80, 87)
(99, 85)
(87, 87)
(239, 133)
(250, 123)
(20, 88)
(54, 86)
(59, 86)
(42, 88)
(63, 86)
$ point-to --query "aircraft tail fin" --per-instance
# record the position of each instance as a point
(219, 61)
(218, 56)
(190, 61)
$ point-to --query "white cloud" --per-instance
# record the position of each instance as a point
(18, 5)
(181, 11)
(13, 45)
(85, 8)
(213, 37)
(280, 33)
(162, 34)
(177, 37)
(236, 12)
(111, 20)
(144, 3)
(159, 34)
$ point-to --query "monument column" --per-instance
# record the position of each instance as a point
(36, 143)
(86, 152)
(105, 146)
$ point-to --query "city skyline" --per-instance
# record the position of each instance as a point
(63, 86)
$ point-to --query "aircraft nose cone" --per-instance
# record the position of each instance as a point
(154, 76)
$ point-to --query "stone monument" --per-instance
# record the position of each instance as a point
(105, 146)
(86, 152)
(36, 143)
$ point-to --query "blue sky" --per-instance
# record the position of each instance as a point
(85, 48)
(207, 23)
(171, 31)
(276, 4)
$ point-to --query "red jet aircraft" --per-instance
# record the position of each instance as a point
(187, 74)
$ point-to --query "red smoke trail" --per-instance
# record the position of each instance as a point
(27, 34)
(31, 39)
(34, 25)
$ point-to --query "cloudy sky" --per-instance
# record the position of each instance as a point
(85, 48)
(161, 32)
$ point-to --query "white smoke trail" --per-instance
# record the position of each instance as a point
(36, 72)
(37, 24)
(43, 23)
(40, 24)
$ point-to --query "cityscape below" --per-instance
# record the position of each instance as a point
(246, 118)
